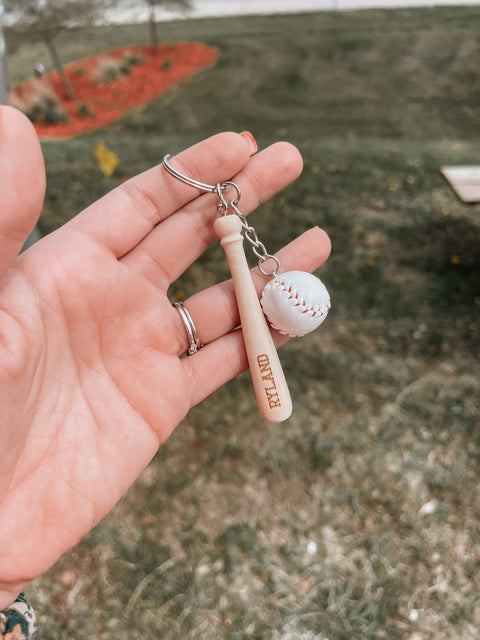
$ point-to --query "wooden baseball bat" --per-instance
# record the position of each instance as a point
(271, 388)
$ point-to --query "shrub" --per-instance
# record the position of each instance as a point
(130, 58)
(43, 105)
(84, 110)
(109, 69)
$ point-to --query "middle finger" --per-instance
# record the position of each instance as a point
(171, 247)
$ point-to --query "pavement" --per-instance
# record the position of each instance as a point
(128, 11)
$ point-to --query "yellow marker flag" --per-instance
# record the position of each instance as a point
(107, 160)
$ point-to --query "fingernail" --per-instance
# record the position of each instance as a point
(246, 135)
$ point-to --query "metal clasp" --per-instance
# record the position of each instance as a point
(223, 204)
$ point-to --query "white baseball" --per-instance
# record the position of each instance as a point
(295, 303)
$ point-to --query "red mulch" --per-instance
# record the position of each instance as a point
(107, 103)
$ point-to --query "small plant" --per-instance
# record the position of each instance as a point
(43, 105)
(84, 110)
(108, 69)
(131, 59)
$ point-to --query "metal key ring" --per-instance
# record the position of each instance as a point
(186, 179)
(219, 188)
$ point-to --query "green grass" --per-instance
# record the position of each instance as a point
(379, 465)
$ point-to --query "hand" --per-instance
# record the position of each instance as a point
(91, 382)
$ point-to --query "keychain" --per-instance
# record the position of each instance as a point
(294, 303)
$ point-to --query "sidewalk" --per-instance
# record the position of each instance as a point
(134, 11)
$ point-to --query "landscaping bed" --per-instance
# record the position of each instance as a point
(107, 85)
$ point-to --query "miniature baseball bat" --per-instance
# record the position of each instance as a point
(271, 388)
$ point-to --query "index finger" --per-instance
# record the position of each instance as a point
(126, 215)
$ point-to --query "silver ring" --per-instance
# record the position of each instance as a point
(192, 332)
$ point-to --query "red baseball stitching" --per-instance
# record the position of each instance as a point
(293, 295)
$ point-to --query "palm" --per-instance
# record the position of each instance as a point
(99, 367)
(91, 379)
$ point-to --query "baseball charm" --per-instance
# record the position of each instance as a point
(295, 303)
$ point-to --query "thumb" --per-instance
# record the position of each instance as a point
(22, 183)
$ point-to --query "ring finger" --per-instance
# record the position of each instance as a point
(214, 311)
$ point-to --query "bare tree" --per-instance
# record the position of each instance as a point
(183, 5)
(44, 19)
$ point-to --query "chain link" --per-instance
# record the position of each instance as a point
(223, 206)
(250, 234)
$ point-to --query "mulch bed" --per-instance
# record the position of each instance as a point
(96, 105)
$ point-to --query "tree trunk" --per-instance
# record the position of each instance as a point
(58, 66)
(153, 28)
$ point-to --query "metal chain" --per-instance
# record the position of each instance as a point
(250, 234)
(223, 206)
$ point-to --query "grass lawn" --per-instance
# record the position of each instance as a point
(359, 518)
